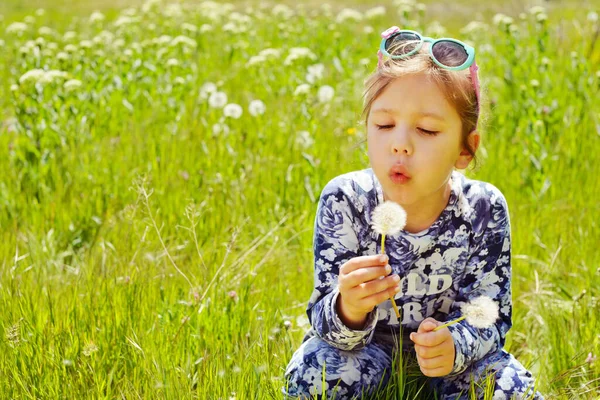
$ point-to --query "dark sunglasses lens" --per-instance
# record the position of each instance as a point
(402, 43)
(450, 54)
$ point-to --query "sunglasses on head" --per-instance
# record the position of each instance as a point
(447, 53)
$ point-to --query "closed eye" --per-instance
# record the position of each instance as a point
(425, 131)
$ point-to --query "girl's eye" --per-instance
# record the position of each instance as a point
(425, 131)
(383, 127)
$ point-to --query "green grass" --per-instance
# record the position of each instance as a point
(126, 222)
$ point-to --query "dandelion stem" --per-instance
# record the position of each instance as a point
(391, 297)
(449, 323)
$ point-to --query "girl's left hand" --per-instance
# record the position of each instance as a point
(435, 350)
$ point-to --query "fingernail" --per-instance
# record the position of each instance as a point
(412, 335)
(396, 278)
(388, 268)
(383, 258)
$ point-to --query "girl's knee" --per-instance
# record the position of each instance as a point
(317, 367)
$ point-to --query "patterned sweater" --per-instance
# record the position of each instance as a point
(465, 253)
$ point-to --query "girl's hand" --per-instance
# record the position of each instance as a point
(435, 350)
(361, 287)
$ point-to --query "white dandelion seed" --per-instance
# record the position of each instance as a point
(233, 110)
(325, 93)
(481, 312)
(256, 108)
(217, 100)
(207, 89)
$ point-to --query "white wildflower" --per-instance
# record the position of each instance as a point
(189, 27)
(181, 39)
(256, 107)
(217, 100)
(69, 35)
(368, 29)
(89, 349)
(52, 75)
(537, 10)
(206, 28)
(375, 12)
(97, 17)
(592, 16)
(255, 60)
(388, 218)
(17, 27)
(349, 14)
(72, 84)
(172, 62)
(315, 73)
(275, 53)
(325, 93)
(33, 75)
(297, 53)
(233, 110)
(302, 89)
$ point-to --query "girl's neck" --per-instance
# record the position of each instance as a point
(421, 216)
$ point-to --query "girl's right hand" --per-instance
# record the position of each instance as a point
(361, 287)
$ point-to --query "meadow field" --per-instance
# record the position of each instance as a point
(161, 163)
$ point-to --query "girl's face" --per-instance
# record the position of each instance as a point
(411, 123)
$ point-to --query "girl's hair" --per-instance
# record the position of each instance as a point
(455, 85)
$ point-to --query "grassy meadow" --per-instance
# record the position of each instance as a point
(161, 163)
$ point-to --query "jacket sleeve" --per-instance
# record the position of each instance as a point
(335, 241)
(488, 272)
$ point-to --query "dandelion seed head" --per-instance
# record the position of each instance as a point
(233, 110)
(481, 312)
(388, 218)
(325, 94)
(256, 107)
(217, 99)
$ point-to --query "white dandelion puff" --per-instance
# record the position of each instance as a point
(233, 110)
(256, 107)
(217, 100)
(481, 312)
(207, 89)
(325, 93)
(388, 218)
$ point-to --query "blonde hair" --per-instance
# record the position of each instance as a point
(455, 85)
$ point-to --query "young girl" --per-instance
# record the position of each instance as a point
(421, 108)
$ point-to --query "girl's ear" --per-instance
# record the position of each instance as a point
(464, 158)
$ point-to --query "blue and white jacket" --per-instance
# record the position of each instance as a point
(465, 253)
